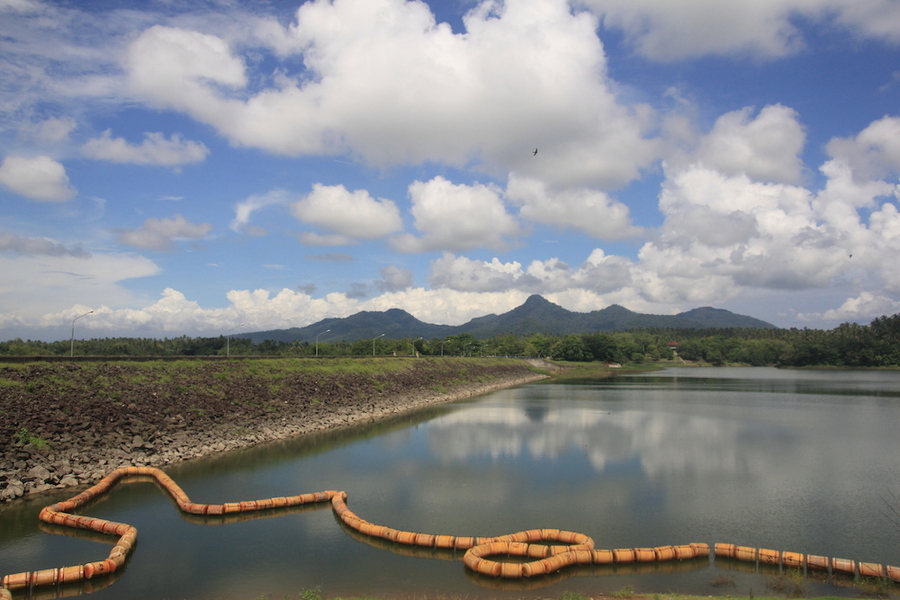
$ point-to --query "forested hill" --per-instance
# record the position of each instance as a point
(536, 315)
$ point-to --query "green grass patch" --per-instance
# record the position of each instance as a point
(24, 437)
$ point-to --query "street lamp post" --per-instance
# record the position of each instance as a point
(317, 341)
(373, 343)
(72, 343)
(228, 340)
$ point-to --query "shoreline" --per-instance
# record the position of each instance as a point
(80, 455)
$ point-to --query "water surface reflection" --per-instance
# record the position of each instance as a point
(794, 461)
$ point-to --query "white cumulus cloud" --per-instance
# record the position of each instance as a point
(582, 209)
(669, 31)
(40, 283)
(52, 130)
(382, 81)
(457, 217)
(766, 147)
(862, 307)
(161, 234)
(10, 242)
(243, 211)
(345, 215)
(394, 279)
(39, 178)
(873, 153)
(156, 149)
(597, 275)
(179, 68)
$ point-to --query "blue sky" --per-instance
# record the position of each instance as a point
(184, 168)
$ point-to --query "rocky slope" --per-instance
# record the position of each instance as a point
(68, 424)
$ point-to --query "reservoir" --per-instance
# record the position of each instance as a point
(792, 460)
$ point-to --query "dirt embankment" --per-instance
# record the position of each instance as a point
(69, 424)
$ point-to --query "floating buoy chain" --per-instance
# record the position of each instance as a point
(809, 561)
(58, 514)
(550, 549)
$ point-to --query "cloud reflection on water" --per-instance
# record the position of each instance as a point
(663, 443)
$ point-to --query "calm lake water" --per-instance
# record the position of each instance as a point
(787, 460)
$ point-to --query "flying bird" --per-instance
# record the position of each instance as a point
(534, 153)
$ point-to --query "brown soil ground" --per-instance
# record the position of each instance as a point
(69, 424)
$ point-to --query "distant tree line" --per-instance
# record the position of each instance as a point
(850, 345)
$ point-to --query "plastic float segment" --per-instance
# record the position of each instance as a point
(792, 559)
(867, 569)
(571, 548)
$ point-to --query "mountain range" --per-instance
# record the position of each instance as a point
(536, 315)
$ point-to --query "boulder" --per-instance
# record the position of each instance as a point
(38, 473)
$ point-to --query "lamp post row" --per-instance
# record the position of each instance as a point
(228, 339)
(72, 341)
(317, 340)
(373, 343)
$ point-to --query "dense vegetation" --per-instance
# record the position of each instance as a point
(850, 345)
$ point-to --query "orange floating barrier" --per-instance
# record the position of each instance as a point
(45, 577)
(532, 535)
(534, 569)
(464, 543)
(664, 553)
(406, 537)
(390, 534)
(623, 555)
(570, 537)
(351, 520)
(843, 565)
(70, 574)
(871, 570)
(725, 550)
(17, 581)
(893, 573)
(489, 567)
(556, 562)
(644, 555)
(519, 549)
(471, 560)
(490, 548)
(583, 557)
(560, 548)
(510, 570)
(745, 553)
